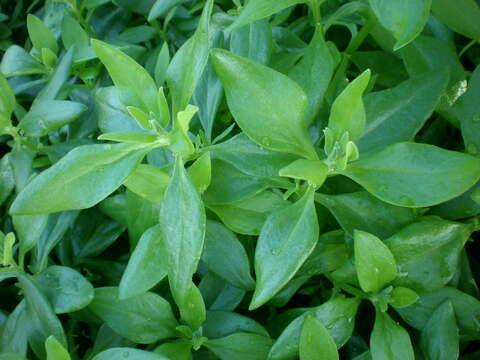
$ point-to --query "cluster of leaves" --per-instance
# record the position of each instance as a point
(239, 180)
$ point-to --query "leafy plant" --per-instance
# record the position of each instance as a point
(228, 179)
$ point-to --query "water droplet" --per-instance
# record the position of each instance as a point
(274, 252)
(126, 354)
(350, 320)
(376, 270)
(476, 118)
(406, 201)
(472, 149)
(402, 274)
(266, 141)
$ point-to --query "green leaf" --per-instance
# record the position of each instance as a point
(374, 262)
(149, 182)
(81, 179)
(348, 112)
(253, 41)
(240, 346)
(315, 341)
(314, 171)
(7, 180)
(29, 229)
(135, 85)
(7, 98)
(14, 332)
(268, 106)
(50, 115)
(181, 350)
(439, 339)
(17, 62)
(146, 266)
(286, 240)
(192, 309)
(144, 319)
(398, 113)
(362, 211)
(128, 353)
(314, 72)
(66, 289)
(428, 252)
(224, 255)
(389, 341)
(402, 296)
(405, 20)
(134, 137)
(182, 218)
(259, 9)
(40, 34)
(223, 323)
(55, 350)
(460, 16)
(200, 173)
(186, 67)
(415, 175)
(58, 78)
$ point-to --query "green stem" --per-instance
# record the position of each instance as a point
(361, 36)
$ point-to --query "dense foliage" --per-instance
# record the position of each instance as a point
(239, 180)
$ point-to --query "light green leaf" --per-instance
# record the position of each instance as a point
(182, 218)
(188, 64)
(81, 179)
(439, 339)
(240, 346)
(268, 106)
(404, 19)
(461, 16)
(135, 85)
(40, 34)
(402, 296)
(286, 240)
(314, 171)
(149, 182)
(55, 350)
(49, 115)
(146, 266)
(374, 262)
(389, 341)
(200, 173)
(315, 341)
(7, 98)
(415, 175)
(348, 112)
(143, 319)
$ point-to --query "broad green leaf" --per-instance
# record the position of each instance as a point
(240, 346)
(182, 218)
(192, 309)
(315, 341)
(224, 255)
(314, 171)
(141, 215)
(268, 106)
(135, 86)
(389, 341)
(149, 182)
(428, 252)
(17, 62)
(467, 310)
(362, 211)
(253, 41)
(29, 228)
(40, 34)
(200, 173)
(219, 294)
(66, 289)
(55, 350)
(287, 238)
(375, 264)
(146, 266)
(405, 20)
(14, 331)
(348, 112)
(187, 65)
(439, 339)
(81, 179)
(402, 296)
(143, 319)
(398, 113)
(336, 315)
(223, 323)
(161, 64)
(128, 353)
(460, 16)
(50, 115)
(415, 175)
(259, 9)
(7, 98)
(248, 216)
(181, 350)
(162, 7)
(314, 72)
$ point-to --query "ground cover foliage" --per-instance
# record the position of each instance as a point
(239, 180)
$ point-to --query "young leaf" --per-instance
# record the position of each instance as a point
(374, 262)
(314, 171)
(144, 319)
(415, 175)
(182, 218)
(287, 238)
(40, 34)
(81, 179)
(135, 85)
(348, 112)
(55, 350)
(315, 341)
(268, 106)
(188, 64)
(148, 182)
(200, 173)
(439, 339)
(405, 20)
(147, 265)
(402, 297)
(389, 341)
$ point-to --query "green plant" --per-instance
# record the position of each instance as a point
(251, 180)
